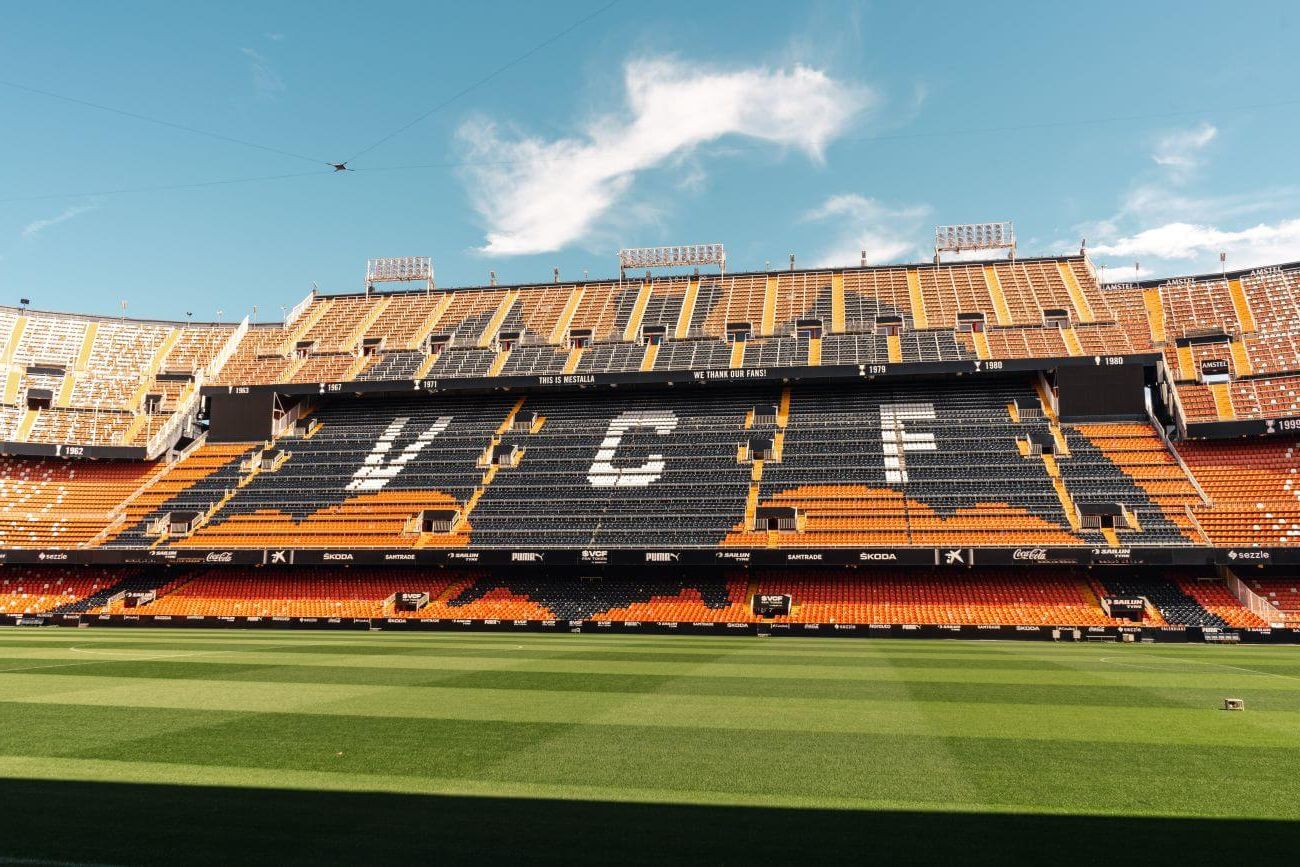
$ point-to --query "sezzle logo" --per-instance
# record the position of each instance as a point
(526, 557)
(220, 557)
(661, 557)
(1038, 555)
(1249, 555)
(45, 556)
(328, 556)
(399, 557)
(876, 557)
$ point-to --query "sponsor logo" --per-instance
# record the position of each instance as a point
(954, 556)
(329, 556)
(735, 556)
(1124, 553)
(794, 557)
(220, 557)
(279, 556)
(1249, 555)
(661, 557)
(526, 557)
(51, 556)
(877, 556)
(463, 556)
(389, 557)
(1037, 555)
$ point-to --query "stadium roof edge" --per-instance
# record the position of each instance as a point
(775, 272)
(1216, 275)
(91, 317)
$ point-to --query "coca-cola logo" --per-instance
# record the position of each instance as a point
(220, 557)
(1034, 554)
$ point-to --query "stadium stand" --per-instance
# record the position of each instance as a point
(75, 380)
(770, 462)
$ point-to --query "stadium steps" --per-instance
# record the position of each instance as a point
(769, 306)
(423, 370)
(499, 362)
(66, 386)
(1223, 401)
(1186, 363)
(1111, 537)
(15, 335)
(350, 342)
(651, 353)
(894, 346)
(688, 309)
(25, 426)
(498, 316)
(12, 381)
(561, 329)
(633, 330)
(919, 319)
(1241, 305)
(1080, 301)
(292, 370)
(814, 352)
(1241, 359)
(431, 321)
(571, 363)
(737, 354)
(837, 302)
(1000, 308)
(1155, 314)
(1072, 344)
(981, 341)
(303, 326)
(87, 347)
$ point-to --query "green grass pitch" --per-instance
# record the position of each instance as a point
(128, 746)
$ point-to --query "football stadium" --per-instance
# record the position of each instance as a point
(520, 543)
(934, 542)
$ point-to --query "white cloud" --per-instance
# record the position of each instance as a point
(33, 229)
(886, 233)
(1170, 230)
(267, 83)
(1262, 244)
(1180, 149)
(536, 195)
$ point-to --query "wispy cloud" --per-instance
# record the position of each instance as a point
(1169, 228)
(267, 83)
(34, 229)
(857, 224)
(536, 195)
(1181, 149)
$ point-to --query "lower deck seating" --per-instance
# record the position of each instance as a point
(1282, 593)
(984, 597)
(1174, 602)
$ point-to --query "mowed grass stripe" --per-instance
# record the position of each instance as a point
(1084, 690)
(1202, 724)
(818, 766)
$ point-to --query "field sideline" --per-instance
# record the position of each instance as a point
(120, 746)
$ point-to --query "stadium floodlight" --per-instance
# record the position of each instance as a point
(403, 269)
(682, 256)
(974, 236)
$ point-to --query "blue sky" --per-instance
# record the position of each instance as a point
(1163, 132)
